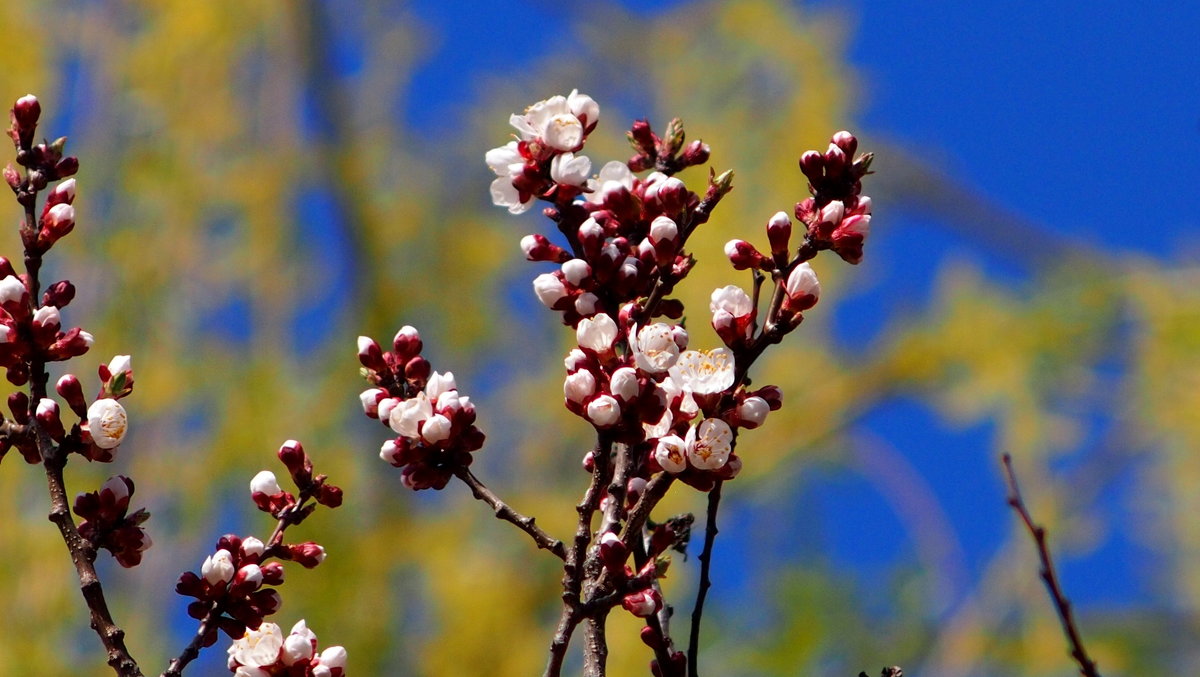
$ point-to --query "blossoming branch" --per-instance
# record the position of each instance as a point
(663, 413)
(236, 586)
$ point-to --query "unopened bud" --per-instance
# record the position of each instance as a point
(307, 555)
(743, 255)
(59, 294)
(370, 355)
(846, 141)
(265, 483)
(69, 388)
(47, 415)
(779, 233)
(696, 153)
(407, 343)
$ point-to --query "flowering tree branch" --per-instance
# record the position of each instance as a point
(229, 590)
(1087, 666)
(663, 415)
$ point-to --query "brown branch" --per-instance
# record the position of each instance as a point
(1087, 667)
(504, 512)
(573, 567)
(84, 555)
(710, 536)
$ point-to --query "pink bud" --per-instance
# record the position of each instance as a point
(643, 604)
(370, 399)
(779, 232)
(407, 343)
(307, 555)
(47, 416)
(70, 389)
(743, 255)
(370, 355)
(846, 141)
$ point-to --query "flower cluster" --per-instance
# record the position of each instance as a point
(266, 652)
(232, 579)
(107, 525)
(230, 588)
(544, 159)
(272, 499)
(434, 424)
(27, 333)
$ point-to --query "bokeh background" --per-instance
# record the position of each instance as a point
(262, 182)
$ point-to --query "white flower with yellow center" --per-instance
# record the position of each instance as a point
(107, 423)
(709, 444)
(704, 372)
(258, 648)
(656, 346)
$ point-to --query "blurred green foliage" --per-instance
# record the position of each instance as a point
(192, 254)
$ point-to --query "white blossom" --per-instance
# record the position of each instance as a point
(613, 176)
(11, 289)
(505, 161)
(406, 416)
(709, 444)
(107, 423)
(802, 281)
(704, 373)
(576, 271)
(574, 359)
(604, 410)
(671, 453)
(436, 429)
(731, 299)
(624, 384)
(579, 386)
(253, 546)
(439, 383)
(753, 411)
(505, 194)
(299, 644)
(258, 648)
(265, 483)
(656, 346)
(663, 229)
(218, 567)
(583, 107)
(47, 316)
(585, 303)
(570, 169)
(119, 364)
(596, 333)
(549, 289)
(552, 122)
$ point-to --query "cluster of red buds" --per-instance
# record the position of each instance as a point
(434, 424)
(233, 579)
(266, 652)
(272, 499)
(230, 588)
(44, 163)
(108, 524)
(28, 333)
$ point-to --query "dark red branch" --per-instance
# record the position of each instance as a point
(1087, 667)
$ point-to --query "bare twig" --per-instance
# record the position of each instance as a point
(1087, 667)
(710, 535)
(505, 512)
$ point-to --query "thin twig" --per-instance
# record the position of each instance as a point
(710, 535)
(1087, 667)
(505, 512)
